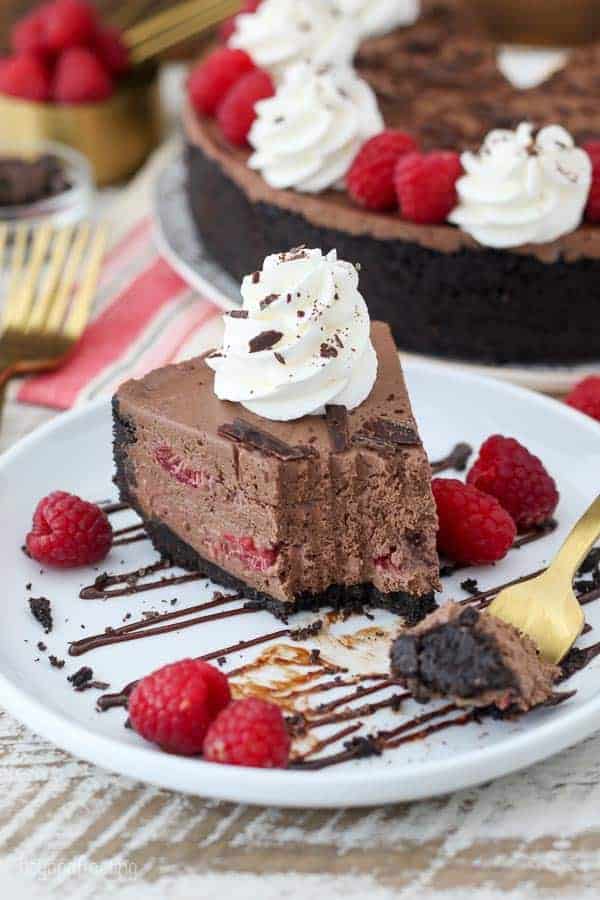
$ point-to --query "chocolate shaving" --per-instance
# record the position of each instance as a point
(56, 662)
(255, 277)
(40, 609)
(337, 425)
(238, 314)
(279, 357)
(383, 434)
(265, 340)
(268, 300)
(243, 432)
(327, 351)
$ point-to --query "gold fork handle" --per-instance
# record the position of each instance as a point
(580, 540)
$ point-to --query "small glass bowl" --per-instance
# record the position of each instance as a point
(65, 208)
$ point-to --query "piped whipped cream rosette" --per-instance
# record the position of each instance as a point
(519, 189)
(301, 340)
(307, 135)
(283, 32)
(376, 17)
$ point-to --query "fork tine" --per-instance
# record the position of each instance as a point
(82, 303)
(3, 242)
(62, 296)
(11, 308)
(31, 275)
(58, 254)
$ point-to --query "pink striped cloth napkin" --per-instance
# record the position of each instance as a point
(145, 316)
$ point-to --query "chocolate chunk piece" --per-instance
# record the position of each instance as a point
(81, 677)
(265, 340)
(382, 434)
(41, 610)
(243, 432)
(237, 314)
(268, 300)
(337, 424)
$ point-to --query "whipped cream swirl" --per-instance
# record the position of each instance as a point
(306, 136)
(283, 32)
(375, 17)
(519, 189)
(301, 340)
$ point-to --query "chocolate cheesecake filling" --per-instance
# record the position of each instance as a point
(289, 526)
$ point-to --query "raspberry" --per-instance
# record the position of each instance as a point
(473, 528)
(592, 210)
(249, 732)
(426, 185)
(111, 51)
(211, 79)
(585, 396)
(30, 35)
(174, 706)
(227, 27)
(70, 23)
(517, 479)
(81, 78)
(370, 180)
(258, 559)
(25, 77)
(68, 531)
(237, 112)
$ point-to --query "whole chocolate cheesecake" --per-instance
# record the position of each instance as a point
(310, 487)
(442, 291)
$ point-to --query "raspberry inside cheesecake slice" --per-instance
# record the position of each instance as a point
(323, 510)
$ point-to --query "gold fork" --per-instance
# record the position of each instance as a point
(152, 37)
(52, 278)
(545, 608)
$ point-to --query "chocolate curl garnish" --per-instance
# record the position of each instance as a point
(383, 434)
(242, 432)
(337, 425)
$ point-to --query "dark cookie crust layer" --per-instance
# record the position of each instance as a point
(168, 544)
(452, 659)
(478, 305)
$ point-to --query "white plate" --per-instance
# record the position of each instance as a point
(73, 453)
(177, 241)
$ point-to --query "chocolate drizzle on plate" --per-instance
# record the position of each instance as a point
(456, 460)
(130, 582)
(242, 432)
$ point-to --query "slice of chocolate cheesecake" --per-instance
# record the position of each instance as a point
(473, 658)
(325, 509)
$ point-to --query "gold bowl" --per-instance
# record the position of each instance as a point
(116, 135)
(550, 23)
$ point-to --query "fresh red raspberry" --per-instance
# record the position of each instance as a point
(426, 185)
(370, 180)
(585, 396)
(249, 732)
(70, 23)
(592, 210)
(68, 531)
(506, 470)
(25, 77)
(30, 34)
(174, 706)
(473, 528)
(237, 111)
(80, 77)
(211, 79)
(227, 27)
(112, 51)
